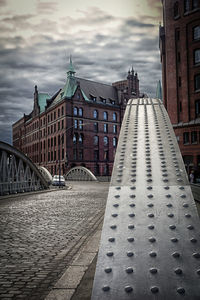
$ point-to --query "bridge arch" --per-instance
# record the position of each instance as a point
(45, 173)
(80, 174)
(18, 173)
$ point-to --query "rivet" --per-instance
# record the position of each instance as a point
(169, 205)
(150, 205)
(149, 187)
(131, 215)
(128, 289)
(150, 196)
(153, 254)
(130, 253)
(172, 227)
(174, 240)
(170, 215)
(168, 196)
(118, 188)
(183, 196)
(190, 227)
(180, 290)
(198, 271)
(178, 271)
(151, 227)
(165, 180)
(109, 253)
(113, 226)
(118, 180)
(114, 215)
(132, 196)
(115, 205)
(105, 288)
(108, 270)
(152, 240)
(133, 180)
(187, 215)
(154, 289)
(131, 226)
(176, 254)
(185, 205)
(132, 205)
(111, 239)
(150, 215)
(153, 270)
(193, 240)
(166, 187)
(181, 188)
(132, 187)
(130, 239)
(117, 196)
(129, 270)
(196, 255)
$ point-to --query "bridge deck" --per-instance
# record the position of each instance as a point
(150, 243)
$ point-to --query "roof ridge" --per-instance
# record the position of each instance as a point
(110, 85)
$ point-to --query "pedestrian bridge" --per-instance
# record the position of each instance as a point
(18, 173)
(150, 239)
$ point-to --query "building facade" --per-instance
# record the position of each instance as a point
(78, 126)
(180, 56)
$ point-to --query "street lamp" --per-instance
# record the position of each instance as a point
(61, 143)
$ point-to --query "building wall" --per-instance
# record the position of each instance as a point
(177, 47)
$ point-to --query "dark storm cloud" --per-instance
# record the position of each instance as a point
(100, 55)
(134, 23)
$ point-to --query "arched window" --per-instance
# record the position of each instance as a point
(75, 111)
(114, 116)
(80, 112)
(114, 142)
(105, 141)
(62, 110)
(96, 140)
(75, 138)
(196, 56)
(95, 114)
(105, 115)
(195, 4)
(80, 139)
(196, 33)
(176, 9)
(186, 5)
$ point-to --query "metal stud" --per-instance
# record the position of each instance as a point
(172, 227)
(178, 271)
(153, 270)
(111, 239)
(129, 270)
(130, 254)
(153, 254)
(131, 226)
(130, 239)
(154, 289)
(152, 240)
(181, 290)
(105, 288)
(128, 289)
(108, 270)
(110, 253)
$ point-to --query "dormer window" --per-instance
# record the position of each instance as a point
(93, 98)
(103, 100)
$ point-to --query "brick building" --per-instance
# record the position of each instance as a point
(180, 56)
(79, 125)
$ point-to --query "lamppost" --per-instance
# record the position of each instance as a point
(61, 143)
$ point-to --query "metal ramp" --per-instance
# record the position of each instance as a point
(150, 239)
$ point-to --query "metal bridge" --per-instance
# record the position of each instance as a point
(18, 173)
(150, 239)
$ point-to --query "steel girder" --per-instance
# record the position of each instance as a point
(150, 246)
(18, 173)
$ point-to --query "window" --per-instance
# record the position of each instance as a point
(51, 142)
(194, 137)
(95, 127)
(75, 111)
(80, 154)
(95, 114)
(105, 128)
(93, 98)
(197, 108)
(76, 124)
(62, 124)
(58, 139)
(176, 10)
(114, 128)
(80, 112)
(54, 115)
(55, 141)
(180, 106)
(179, 81)
(80, 125)
(96, 155)
(54, 154)
(196, 56)
(106, 170)
(80, 139)
(186, 5)
(58, 125)
(179, 57)
(177, 34)
(48, 143)
(114, 117)
(48, 118)
(74, 154)
(106, 155)
(96, 169)
(75, 138)
(105, 141)
(195, 4)
(96, 140)
(62, 109)
(196, 33)
(114, 142)
(105, 115)
(197, 82)
(186, 138)
(58, 112)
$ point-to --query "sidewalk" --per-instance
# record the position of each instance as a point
(77, 281)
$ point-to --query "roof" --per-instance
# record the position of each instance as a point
(42, 101)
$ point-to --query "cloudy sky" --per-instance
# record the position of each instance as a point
(104, 37)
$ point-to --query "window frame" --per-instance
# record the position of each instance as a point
(197, 86)
(75, 111)
(105, 115)
(95, 114)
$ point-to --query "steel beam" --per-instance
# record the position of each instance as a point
(150, 239)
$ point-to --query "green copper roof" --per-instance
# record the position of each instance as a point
(71, 70)
(42, 101)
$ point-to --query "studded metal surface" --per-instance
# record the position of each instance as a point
(150, 239)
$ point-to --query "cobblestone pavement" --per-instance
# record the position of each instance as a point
(40, 233)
